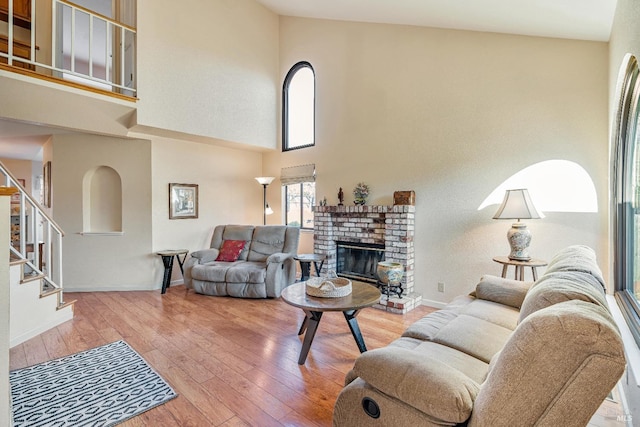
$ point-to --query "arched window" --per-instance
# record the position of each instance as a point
(298, 107)
(626, 193)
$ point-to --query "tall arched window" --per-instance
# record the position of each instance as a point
(298, 107)
(626, 193)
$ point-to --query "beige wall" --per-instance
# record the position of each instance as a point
(21, 169)
(228, 193)
(209, 68)
(104, 262)
(451, 115)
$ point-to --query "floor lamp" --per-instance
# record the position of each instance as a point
(266, 210)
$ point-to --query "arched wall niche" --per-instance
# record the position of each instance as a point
(102, 201)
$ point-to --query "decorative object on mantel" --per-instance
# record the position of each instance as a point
(323, 202)
(404, 198)
(328, 287)
(517, 204)
(340, 197)
(360, 193)
(183, 201)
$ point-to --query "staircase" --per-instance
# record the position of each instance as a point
(36, 294)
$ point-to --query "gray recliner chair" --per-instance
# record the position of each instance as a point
(265, 266)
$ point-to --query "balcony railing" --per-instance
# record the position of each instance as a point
(85, 47)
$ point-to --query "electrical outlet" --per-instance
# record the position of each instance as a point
(440, 286)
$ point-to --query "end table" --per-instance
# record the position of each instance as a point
(519, 266)
(167, 260)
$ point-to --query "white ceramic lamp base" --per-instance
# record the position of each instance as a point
(519, 238)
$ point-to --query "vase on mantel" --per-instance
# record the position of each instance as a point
(360, 194)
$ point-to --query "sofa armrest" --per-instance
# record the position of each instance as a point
(278, 257)
(503, 291)
(425, 383)
(205, 255)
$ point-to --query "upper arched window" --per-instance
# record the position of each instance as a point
(298, 107)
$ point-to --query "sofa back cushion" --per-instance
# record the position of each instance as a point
(233, 232)
(554, 288)
(573, 274)
(556, 369)
(577, 258)
(268, 240)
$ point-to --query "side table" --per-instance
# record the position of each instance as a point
(305, 261)
(167, 260)
(519, 266)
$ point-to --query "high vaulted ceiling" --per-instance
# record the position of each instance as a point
(571, 19)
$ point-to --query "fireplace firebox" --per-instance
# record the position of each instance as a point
(358, 260)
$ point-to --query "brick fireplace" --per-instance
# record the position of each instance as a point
(390, 226)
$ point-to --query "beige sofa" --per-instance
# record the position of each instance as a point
(265, 266)
(510, 354)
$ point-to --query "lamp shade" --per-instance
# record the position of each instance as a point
(517, 204)
(265, 180)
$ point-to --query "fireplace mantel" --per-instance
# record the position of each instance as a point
(392, 226)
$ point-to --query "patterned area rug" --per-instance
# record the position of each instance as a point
(99, 387)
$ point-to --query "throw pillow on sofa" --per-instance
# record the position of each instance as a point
(230, 250)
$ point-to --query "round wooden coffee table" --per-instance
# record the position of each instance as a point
(362, 296)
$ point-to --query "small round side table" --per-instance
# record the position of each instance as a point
(305, 261)
(519, 266)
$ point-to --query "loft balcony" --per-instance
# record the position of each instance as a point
(90, 44)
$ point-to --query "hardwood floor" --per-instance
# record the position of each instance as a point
(233, 362)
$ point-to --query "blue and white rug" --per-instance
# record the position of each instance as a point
(99, 387)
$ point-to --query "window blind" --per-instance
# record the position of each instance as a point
(298, 174)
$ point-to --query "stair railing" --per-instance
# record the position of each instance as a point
(35, 236)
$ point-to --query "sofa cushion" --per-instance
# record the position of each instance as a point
(233, 232)
(427, 384)
(577, 258)
(215, 271)
(498, 314)
(554, 288)
(266, 241)
(246, 272)
(476, 337)
(504, 291)
(230, 250)
(427, 327)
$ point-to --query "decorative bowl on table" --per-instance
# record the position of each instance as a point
(328, 287)
(389, 272)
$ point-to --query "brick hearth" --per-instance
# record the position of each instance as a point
(391, 226)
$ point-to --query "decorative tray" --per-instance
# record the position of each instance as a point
(324, 287)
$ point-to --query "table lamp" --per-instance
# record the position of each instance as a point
(517, 204)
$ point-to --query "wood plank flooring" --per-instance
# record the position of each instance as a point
(233, 362)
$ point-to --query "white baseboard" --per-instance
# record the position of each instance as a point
(432, 303)
(115, 288)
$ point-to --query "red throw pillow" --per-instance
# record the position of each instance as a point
(230, 250)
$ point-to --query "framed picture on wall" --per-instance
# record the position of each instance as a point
(46, 184)
(183, 201)
(15, 198)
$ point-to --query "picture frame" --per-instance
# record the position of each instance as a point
(46, 184)
(183, 201)
(15, 198)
